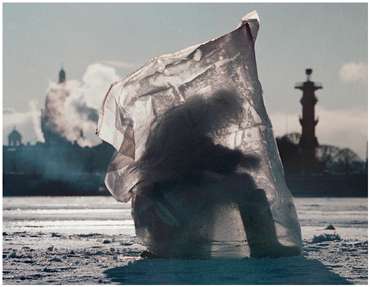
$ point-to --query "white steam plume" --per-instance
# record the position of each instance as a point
(72, 107)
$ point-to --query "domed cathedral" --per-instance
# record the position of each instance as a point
(14, 138)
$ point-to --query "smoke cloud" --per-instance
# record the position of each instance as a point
(353, 72)
(71, 109)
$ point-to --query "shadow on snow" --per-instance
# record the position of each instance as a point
(291, 270)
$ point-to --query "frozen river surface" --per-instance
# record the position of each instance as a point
(91, 240)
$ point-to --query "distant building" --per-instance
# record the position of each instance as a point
(58, 166)
(14, 138)
(48, 125)
(308, 142)
(61, 167)
(62, 76)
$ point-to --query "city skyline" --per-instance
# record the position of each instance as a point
(293, 37)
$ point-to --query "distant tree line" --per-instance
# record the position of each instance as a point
(329, 158)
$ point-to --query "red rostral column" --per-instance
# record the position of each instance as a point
(308, 141)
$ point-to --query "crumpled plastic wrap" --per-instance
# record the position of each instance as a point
(135, 109)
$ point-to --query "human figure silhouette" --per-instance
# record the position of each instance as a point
(181, 159)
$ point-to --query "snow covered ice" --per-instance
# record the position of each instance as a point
(135, 117)
(91, 240)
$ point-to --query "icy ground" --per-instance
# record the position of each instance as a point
(90, 240)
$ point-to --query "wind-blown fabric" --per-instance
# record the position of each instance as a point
(134, 106)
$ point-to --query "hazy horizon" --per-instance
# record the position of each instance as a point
(96, 43)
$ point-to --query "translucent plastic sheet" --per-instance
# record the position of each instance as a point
(200, 109)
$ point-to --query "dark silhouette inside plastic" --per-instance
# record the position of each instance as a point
(182, 146)
(182, 141)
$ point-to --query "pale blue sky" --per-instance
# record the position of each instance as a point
(39, 37)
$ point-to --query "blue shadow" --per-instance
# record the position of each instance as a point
(288, 270)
